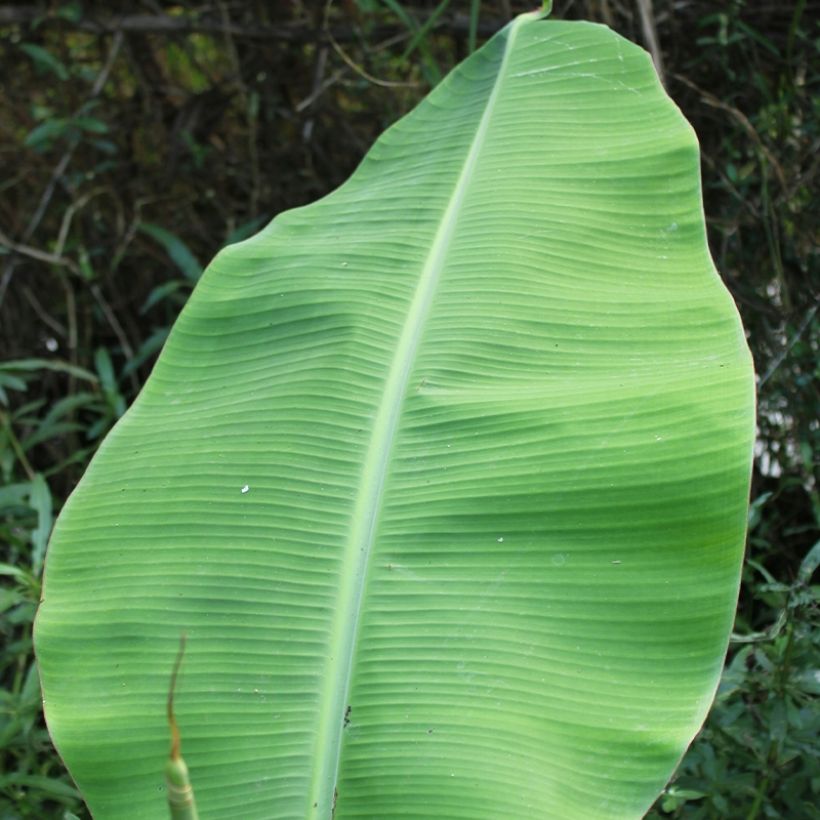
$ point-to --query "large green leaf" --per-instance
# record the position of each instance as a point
(445, 476)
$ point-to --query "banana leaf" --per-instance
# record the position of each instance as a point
(445, 477)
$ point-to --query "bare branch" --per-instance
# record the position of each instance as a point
(650, 34)
(458, 24)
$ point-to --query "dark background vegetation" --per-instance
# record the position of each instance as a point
(138, 138)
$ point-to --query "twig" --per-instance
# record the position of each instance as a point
(357, 68)
(296, 33)
(127, 350)
(36, 253)
(69, 215)
(102, 77)
(765, 158)
(250, 115)
(16, 446)
(785, 352)
(745, 202)
(316, 90)
(59, 169)
(742, 119)
(8, 271)
(99, 83)
(71, 319)
(650, 34)
(339, 73)
(56, 326)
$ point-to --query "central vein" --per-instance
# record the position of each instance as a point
(371, 488)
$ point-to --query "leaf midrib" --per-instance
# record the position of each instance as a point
(333, 702)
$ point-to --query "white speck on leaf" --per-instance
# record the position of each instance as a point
(245, 489)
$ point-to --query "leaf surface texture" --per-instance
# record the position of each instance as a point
(445, 476)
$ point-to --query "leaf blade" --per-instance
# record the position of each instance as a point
(531, 403)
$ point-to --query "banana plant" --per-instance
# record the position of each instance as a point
(444, 476)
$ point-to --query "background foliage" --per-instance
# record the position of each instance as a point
(137, 139)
